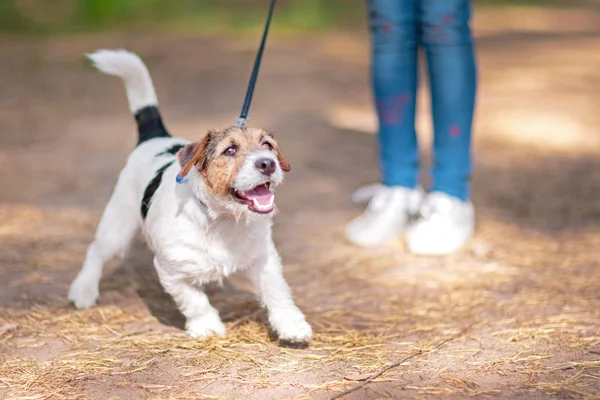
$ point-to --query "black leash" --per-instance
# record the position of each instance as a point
(243, 118)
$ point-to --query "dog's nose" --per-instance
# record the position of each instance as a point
(265, 165)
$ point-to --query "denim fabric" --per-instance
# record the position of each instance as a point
(441, 27)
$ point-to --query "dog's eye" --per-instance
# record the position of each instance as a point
(230, 151)
(267, 145)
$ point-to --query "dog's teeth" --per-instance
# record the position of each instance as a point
(256, 203)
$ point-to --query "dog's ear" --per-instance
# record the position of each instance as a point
(192, 154)
(285, 165)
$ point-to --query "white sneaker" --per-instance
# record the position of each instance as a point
(444, 225)
(386, 216)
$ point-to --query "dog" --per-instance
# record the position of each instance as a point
(204, 208)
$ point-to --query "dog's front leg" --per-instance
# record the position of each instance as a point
(202, 319)
(285, 317)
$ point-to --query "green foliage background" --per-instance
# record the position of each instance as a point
(70, 16)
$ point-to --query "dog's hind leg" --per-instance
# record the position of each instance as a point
(118, 226)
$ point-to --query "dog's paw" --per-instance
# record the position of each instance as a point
(292, 329)
(208, 325)
(83, 293)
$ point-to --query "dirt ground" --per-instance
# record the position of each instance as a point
(519, 306)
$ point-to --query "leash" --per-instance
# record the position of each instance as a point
(243, 118)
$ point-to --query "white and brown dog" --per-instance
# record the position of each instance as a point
(204, 208)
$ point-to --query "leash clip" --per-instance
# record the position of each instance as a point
(242, 121)
(180, 179)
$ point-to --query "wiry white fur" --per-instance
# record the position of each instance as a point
(196, 238)
(129, 67)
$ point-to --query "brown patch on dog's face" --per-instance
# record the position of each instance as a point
(220, 155)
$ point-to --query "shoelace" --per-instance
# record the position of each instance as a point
(434, 206)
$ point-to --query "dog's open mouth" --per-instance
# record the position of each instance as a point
(260, 199)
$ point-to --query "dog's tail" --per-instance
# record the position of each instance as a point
(141, 95)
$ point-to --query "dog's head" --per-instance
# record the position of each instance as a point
(239, 167)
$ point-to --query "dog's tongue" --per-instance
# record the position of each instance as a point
(261, 193)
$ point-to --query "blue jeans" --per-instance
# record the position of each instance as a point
(441, 27)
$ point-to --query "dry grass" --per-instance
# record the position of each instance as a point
(538, 336)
